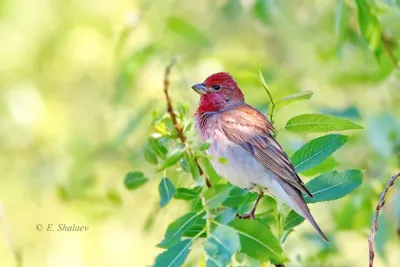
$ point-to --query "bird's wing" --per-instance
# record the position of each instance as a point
(250, 129)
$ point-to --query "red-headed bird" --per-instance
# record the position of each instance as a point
(244, 136)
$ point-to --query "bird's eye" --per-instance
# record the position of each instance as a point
(216, 87)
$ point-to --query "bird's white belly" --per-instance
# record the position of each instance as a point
(241, 169)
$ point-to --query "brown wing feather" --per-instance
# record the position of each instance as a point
(250, 129)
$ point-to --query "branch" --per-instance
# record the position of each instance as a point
(374, 227)
(170, 109)
(172, 114)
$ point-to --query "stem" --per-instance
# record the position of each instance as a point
(276, 132)
(270, 96)
(209, 216)
(271, 115)
(199, 234)
(172, 114)
(374, 227)
(284, 236)
(279, 222)
(170, 109)
(266, 88)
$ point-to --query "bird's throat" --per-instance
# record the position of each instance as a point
(210, 103)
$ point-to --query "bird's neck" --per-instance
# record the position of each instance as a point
(217, 102)
(209, 103)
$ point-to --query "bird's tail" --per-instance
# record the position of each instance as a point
(294, 199)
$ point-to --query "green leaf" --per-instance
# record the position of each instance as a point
(264, 85)
(370, 26)
(198, 227)
(341, 21)
(316, 151)
(177, 228)
(174, 256)
(204, 146)
(268, 217)
(299, 96)
(328, 186)
(356, 212)
(157, 147)
(149, 155)
(185, 165)
(194, 170)
(238, 197)
(134, 180)
(226, 216)
(187, 194)
(182, 109)
(216, 195)
(319, 123)
(327, 165)
(257, 241)
(114, 197)
(172, 158)
(151, 218)
(209, 169)
(188, 127)
(333, 185)
(222, 243)
(196, 230)
(262, 10)
(167, 190)
(187, 31)
(196, 205)
(292, 220)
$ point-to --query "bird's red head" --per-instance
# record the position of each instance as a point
(218, 91)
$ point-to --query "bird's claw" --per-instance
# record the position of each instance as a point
(246, 216)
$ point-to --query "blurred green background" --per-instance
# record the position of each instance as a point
(79, 81)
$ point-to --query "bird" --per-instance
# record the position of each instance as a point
(243, 136)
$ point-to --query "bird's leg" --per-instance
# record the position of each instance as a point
(253, 210)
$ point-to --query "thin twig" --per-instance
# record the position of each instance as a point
(172, 114)
(170, 109)
(271, 115)
(374, 227)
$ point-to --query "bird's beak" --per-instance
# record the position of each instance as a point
(200, 88)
